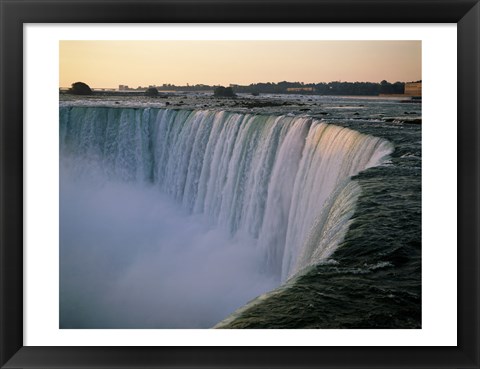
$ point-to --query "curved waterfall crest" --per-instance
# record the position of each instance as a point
(281, 181)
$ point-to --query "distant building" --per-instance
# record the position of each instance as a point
(413, 89)
(122, 87)
(300, 89)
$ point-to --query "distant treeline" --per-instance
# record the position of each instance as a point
(331, 88)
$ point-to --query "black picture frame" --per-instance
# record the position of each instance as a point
(15, 13)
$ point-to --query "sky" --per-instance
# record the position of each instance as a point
(108, 64)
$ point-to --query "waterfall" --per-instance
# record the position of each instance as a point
(282, 181)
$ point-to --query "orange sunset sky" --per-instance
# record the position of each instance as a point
(107, 64)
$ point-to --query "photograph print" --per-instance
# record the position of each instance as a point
(240, 184)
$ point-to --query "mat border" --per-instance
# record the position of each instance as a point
(14, 13)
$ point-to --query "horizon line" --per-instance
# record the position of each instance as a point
(240, 85)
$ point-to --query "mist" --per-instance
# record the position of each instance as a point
(132, 258)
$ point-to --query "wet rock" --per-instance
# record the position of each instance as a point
(413, 121)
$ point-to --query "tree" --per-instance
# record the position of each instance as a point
(151, 91)
(221, 91)
(80, 88)
(386, 87)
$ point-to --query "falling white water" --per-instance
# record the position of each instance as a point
(280, 180)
